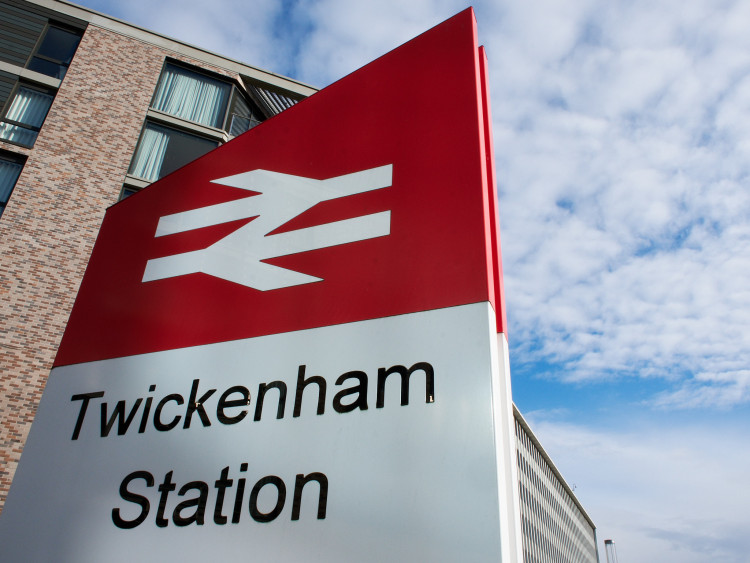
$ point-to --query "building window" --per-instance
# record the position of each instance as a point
(241, 117)
(191, 96)
(25, 115)
(163, 150)
(127, 191)
(10, 169)
(55, 52)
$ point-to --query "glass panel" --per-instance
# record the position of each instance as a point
(29, 107)
(55, 52)
(241, 124)
(184, 148)
(9, 172)
(150, 154)
(127, 192)
(59, 45)
(241, 117)
(17, 134)
(163, 150)
(28, 110)
(191, 96)
(43, 66)
(239, 105)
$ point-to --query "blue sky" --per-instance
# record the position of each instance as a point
(622, 138)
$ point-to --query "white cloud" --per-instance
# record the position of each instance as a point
(623, 164)
(662, 494)
(349, 34)
(720, 390)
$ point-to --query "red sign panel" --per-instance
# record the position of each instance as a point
(370, 199)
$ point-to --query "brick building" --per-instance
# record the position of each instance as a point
(91, 109)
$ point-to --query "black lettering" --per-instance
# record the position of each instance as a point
(405, 375)
(165, 488)
(259, 516)
(134, 498)
(146, 410)
(222, 484)
(225, 404)
(195, 404)
(198, 502)
(302, 383)
(239, 496)
(123, 423)
(281, 386)
(360, 388)
(299, 484)
(85, 397)
(158, 424)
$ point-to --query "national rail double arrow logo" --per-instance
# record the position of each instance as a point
(238, 257)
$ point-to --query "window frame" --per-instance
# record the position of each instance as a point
(42, 37)
(255, 112)
(235, 90)
(201, 72)
(150, 120)
(51, 92)
(14, 158)
(127, 190)
(215, 134)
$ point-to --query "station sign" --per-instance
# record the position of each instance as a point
(288, 349)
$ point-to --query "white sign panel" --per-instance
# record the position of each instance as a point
(371, 441)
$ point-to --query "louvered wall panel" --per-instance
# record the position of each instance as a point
(21, 25)
(19, 31)
(6, 85)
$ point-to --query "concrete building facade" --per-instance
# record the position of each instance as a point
(554, 525)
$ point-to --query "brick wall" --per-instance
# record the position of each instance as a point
(73, 173)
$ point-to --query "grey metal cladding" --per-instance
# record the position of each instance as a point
(19, 33)
(21, 26)
(6, 85)
(271, 103)
(32, 11)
